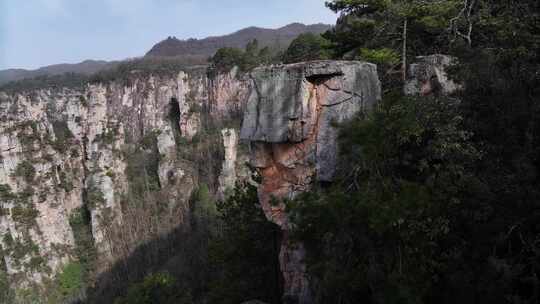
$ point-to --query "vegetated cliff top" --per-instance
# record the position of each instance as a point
(87, 67)
(121, 72)
(276, 38)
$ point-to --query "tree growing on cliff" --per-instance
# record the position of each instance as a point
(307, 47)
(386, 29)
(252, 56)
(227, 58)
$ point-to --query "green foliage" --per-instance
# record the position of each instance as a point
(227, 58)
(379, 30)
(85, 251)
(126, 71)
(67, 80)
(245, 255)
(70, 280)
(382, 56)
(149, 140)
(159, 288)
(6, 292)
(62, 136)
(28, 295)
(142, 166)
(438, 198)
(19, 248)
(4, 211)
(24, 215)
(65, 181)
(24, 196)
(398, 229)
(94, 196)
(7, 239)
(28, 134)
(358, 6)
(203, 206)
(26, 170)
(36, 263)
(5, 193)
(307, 47)
(225, 257)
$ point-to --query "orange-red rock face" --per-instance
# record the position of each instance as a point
(288, 170)
(290, 123)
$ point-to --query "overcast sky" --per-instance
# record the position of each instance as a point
(35, 33)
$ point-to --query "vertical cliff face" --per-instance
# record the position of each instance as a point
(121, 152)
(290, 121)
(65, 151)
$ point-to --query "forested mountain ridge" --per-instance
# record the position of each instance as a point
(86, 67)
(187, 52)
(279, 38)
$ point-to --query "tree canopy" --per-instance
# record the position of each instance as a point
(252, 56)
(307, 47)
(439, 197)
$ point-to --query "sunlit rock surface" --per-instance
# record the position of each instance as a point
(290, 120)
(77, 145)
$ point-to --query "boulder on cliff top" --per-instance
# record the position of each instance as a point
(427, 76)
(302, 102)
(278, 109)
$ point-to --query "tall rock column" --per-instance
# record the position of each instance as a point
(290, 122)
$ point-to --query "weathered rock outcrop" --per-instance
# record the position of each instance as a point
(61, 149)
(427, 75)
(290, 121)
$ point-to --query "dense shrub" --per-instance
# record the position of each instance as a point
(307, 47)
(67, 80)
(85, 250)
(5, 193)
(159, 288)
(244, 256)
(70, 280)
(94, 197)
(126, 71)
(227, 58)
(25, 215)
(62, 135)
(6, 293)
(410, 169)
(26, 170)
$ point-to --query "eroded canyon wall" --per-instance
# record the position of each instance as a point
(63, 151)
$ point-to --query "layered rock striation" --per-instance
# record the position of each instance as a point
(290, 121)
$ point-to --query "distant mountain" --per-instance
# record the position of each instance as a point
(87, 67)
(277, 38)
(191, 51)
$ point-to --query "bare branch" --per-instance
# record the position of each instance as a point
(466, 13)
